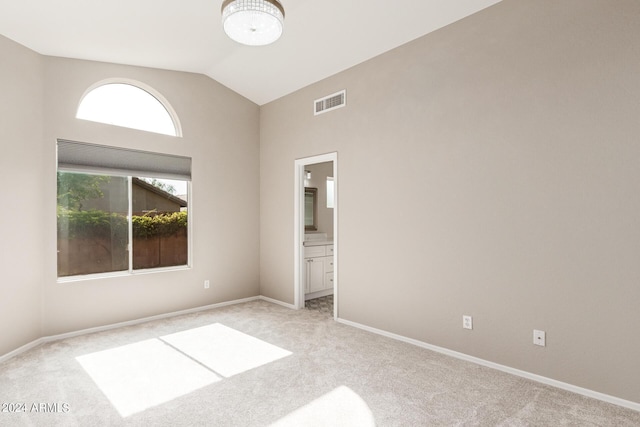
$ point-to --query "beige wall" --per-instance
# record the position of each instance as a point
(40, 97)
(501, 153)
(21, 175)
(220, 133)
(501, 156)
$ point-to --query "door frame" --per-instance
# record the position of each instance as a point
(299, 268)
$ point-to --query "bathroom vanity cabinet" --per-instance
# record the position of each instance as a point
(319, 269)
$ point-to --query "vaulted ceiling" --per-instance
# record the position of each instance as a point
(320, 38)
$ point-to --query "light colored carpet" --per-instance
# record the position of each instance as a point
(259, 364)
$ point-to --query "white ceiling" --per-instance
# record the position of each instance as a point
(320, 38)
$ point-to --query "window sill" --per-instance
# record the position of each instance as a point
(86, 277)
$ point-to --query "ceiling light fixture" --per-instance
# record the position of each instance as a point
(253, 22)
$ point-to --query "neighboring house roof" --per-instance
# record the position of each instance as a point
(159, 191)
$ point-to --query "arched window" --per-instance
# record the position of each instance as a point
(129, 105)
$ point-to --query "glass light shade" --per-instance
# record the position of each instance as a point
(253, 22)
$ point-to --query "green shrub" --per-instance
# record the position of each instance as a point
(100, 224)
(164, 224)
(92, 223)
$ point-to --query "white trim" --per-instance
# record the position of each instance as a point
(513, 371)
(333, 199)
(130, 223)
(123, 273)
(51, 338)
(277, 302)
(23, 349)
(298, 234)
(517, 372)
(190, 223)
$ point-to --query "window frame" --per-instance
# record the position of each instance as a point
(131, 271)
(331, 198)
(80, 167)
(144, 87)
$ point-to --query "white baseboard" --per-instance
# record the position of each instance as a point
(23, 349)
(275, 301)
(524, 374)
(51, 338)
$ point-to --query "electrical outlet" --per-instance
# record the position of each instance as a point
(206, 284)
(539, 338)
(467, 322)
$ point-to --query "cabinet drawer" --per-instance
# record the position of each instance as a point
(314, 251)
(328, 264)
(328, 281)
(329, 250)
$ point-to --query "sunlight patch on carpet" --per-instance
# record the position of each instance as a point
(139, 376)
(224, 350)
(340, 407)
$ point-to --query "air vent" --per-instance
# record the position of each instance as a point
(331, 102)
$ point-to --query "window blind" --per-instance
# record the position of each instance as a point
(85, 157)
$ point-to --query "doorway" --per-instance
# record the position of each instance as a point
(316, 230)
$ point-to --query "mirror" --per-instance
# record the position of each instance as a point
(310, 209)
